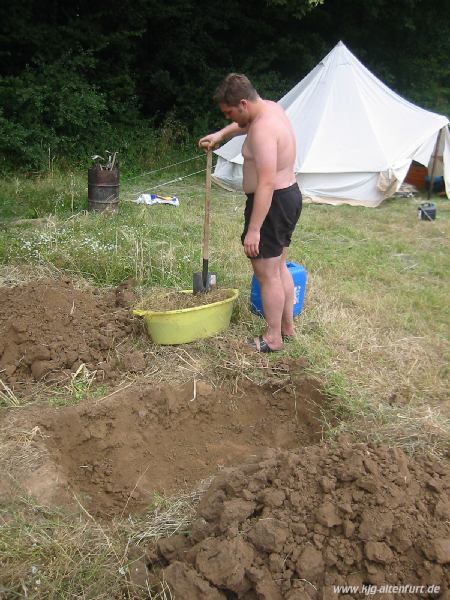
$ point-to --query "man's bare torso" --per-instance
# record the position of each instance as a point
(273, 122)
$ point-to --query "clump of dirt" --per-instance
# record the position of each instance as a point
(163, 300)
(296, 524)
(115, 454)
(48, 329)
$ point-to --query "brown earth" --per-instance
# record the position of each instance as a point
(115, 454)
(294, 524)
(48, 329)
(278, 522)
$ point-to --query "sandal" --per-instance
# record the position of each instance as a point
(263, 345)
(287, 338)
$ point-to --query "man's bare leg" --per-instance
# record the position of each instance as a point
(268, 273)
(287, 319)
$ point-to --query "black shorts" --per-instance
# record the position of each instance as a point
(280, 221)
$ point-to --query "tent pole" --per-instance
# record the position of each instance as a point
(433, 167)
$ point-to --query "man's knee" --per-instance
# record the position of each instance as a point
(266, 276)
(267, 272)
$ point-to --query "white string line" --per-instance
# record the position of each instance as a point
(163, 168)
(155, 187)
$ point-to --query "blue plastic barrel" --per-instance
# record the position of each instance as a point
(299, 277)
(438, 184)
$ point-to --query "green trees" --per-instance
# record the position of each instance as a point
(67, 78)
(406, 43)
(74, 77)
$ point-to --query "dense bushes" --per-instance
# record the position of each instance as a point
(49, 109)
(77, 79)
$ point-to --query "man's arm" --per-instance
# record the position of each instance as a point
(263, 146)
(213, 140)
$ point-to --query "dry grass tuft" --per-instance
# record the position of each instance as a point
(13, 275)
(416, 429)
(387, 384)
(7, 396)
(384, 362)
(49, 554)
(169, 516)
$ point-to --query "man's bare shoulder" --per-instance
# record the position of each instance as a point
(269, 119)
(273, 108)
(272, 120)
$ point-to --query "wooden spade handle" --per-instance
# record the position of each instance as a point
(207, 203)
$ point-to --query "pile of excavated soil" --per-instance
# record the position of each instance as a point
(48, 329)
(297, 523)
(115, 454)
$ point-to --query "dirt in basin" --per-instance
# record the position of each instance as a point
(164, 300)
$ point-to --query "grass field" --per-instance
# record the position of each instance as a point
(375, 328)
(376, 319)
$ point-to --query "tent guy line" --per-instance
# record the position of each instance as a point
(181, 162)
(155, 187)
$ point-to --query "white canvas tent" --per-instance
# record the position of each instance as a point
(356, 138)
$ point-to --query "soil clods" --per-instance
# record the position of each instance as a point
(48, 328)
(294, 524)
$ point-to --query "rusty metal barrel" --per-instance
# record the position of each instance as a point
(103, 189)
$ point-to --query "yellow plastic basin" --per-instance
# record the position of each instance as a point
(188, 324)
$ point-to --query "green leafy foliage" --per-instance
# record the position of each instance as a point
(49, 107)
(79, 78)
(298, 8)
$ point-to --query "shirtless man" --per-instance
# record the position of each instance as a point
(274, 200)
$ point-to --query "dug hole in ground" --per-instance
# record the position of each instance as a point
(285, 516)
